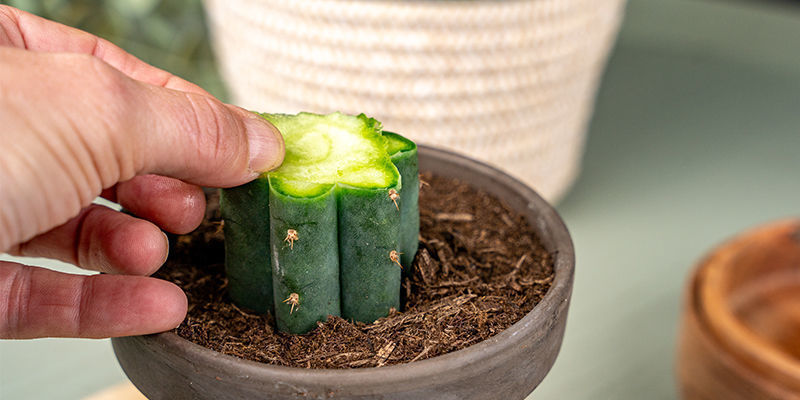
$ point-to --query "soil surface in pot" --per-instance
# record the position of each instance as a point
(480, 268)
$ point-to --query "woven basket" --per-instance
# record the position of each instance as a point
(511, 83)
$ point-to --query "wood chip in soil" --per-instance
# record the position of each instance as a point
(480, 268)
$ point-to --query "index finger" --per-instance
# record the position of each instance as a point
(27, 31)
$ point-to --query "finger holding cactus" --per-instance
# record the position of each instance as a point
(331, 230)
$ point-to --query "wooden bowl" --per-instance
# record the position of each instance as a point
(740, 333)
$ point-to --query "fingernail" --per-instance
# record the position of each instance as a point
(266, 144)
(166, 253)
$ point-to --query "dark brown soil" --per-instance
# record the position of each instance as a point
(479, 269)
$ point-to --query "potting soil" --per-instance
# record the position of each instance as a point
(480, 268)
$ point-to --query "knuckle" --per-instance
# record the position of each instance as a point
(107, 90)
(8, 13)
(8, 22)
(106, 80)
(85, 246)
(113, 96)
(83, 306)
(212, 126)
(15, 292)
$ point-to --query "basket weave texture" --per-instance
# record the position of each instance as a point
(511, 83)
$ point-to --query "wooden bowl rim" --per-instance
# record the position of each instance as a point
(725, 327)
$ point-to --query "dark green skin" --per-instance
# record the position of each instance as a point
(245, 212)
(407, 163)
(310, 266)
(340, 264)
(369, 229)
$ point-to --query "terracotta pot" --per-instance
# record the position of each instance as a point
(507, 366)
(740, 335)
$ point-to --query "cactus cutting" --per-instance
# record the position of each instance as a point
(324, 233)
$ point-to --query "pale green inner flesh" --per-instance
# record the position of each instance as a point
(396, 143)
(322, 150)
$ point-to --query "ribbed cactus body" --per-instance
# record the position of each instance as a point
(327, 232)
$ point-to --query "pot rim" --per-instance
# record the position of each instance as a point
(543, 314)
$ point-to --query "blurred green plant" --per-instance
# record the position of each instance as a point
(171, 35)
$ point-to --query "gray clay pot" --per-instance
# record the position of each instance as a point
(507, 366)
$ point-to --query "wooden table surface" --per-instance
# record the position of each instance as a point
(696, 136)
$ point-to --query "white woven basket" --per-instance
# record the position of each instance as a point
(508, 82)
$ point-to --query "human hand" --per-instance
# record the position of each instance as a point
(81, 117)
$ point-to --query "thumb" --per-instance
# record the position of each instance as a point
(198, 139)
(73, 125)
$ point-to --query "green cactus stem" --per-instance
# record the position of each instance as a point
(404, 157)
(332, 228)
(247, 256)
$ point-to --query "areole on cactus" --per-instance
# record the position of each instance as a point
(331, 230)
